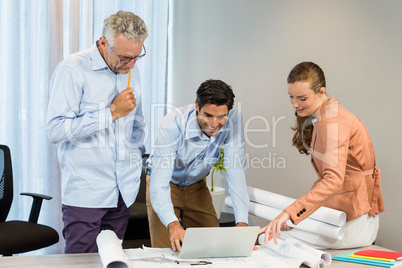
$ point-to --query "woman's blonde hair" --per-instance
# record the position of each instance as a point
(305, 72)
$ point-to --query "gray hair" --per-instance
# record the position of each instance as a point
(132, 26)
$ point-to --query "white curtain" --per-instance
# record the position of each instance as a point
(35, 36)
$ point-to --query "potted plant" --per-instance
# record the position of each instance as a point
(218, 193)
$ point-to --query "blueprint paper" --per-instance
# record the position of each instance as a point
(299, 251)
(111, 251)
(325, 256)
(112, 255)
(308, 225)
(324, 214)
(165, 257)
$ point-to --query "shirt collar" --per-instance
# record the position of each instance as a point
(97, 59)
(313, 120)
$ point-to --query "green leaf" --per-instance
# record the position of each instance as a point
(218, 167)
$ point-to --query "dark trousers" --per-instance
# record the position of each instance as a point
(82, 225)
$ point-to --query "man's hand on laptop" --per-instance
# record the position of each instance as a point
(243, 224)
(176, 235)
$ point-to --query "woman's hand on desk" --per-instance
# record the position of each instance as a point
(274, 228)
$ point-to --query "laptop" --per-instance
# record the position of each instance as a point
(211, 242)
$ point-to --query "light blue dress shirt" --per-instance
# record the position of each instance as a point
(97, 157)
(184, 155)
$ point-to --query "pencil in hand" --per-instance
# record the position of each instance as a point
(129, 77)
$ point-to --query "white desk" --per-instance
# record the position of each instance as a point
(92, 260)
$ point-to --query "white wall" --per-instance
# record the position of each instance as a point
(253, 44)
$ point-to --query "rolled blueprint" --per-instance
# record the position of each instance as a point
(289, 250)
(111, 251)
(325, 256)
(324, 214)
(308, 225)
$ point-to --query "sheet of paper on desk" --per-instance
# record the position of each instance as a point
(287, 254)
(147, 252)
(150, 257)
(156, 257)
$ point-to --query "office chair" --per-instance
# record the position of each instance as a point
(137, 232)
(20, 236)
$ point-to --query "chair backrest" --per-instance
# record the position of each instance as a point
(6, 182)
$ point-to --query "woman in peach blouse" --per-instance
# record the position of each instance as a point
(342, 156)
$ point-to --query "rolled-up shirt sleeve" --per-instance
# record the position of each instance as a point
(236, 168)
(163, 158)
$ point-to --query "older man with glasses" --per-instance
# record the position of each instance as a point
(95, 117)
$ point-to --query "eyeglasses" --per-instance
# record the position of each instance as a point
(127, 60)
